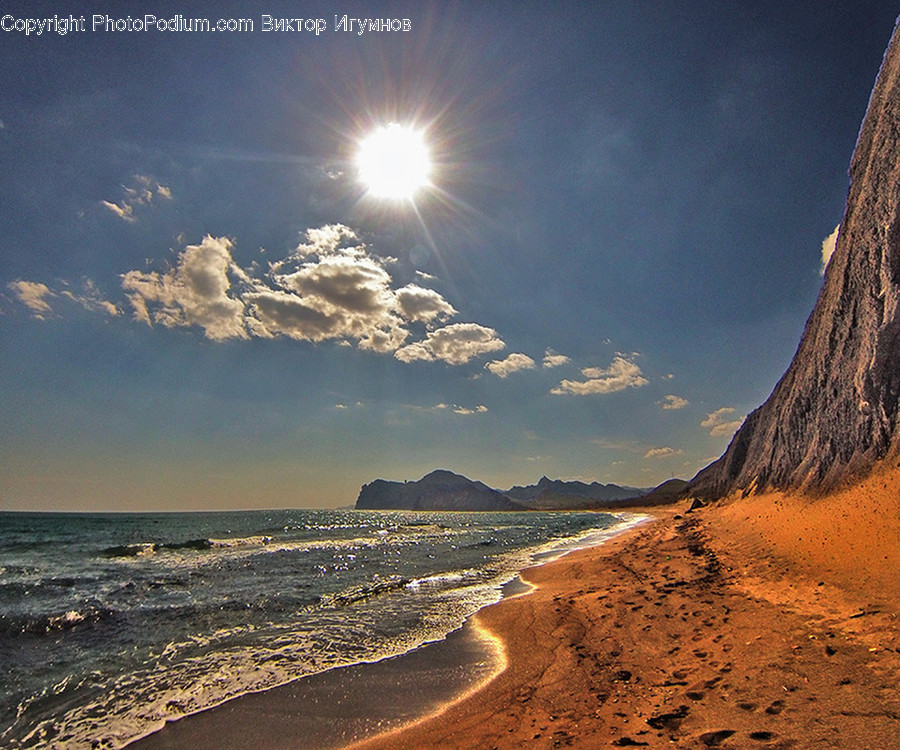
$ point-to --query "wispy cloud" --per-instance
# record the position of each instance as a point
(513, 363)
(719, 423)
(91, 299)
(671, 402)
(142, 191)
(34, 296)
(663, 452)
(621, 374)
(465, 411)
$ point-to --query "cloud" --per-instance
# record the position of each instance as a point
(455, 344)
(465, 411)
(195, 292)
(717, 425)
(124, 212)
(828, 247)
(34, 296)
(142, 191)
(663, 452)
(330, 288)
(513, 363)
(621, 374)
(670, 402)
(91, 299)
(552, 359)
(418, 303)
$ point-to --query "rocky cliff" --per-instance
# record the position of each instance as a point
(439, 490)
(835, 411)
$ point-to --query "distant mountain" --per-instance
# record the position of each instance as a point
(439, 490)
(444, 490)
(836, 411)
(550, 488)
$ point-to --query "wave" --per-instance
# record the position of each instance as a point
(364, 592)
(16, 625)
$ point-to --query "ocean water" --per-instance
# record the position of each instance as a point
(110, 624)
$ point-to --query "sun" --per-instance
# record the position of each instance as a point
(394, 162)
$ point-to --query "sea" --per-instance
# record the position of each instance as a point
(112, 624)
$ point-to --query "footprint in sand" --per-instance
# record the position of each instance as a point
(776, 708)
(714, 739)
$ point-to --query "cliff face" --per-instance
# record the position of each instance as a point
(439, 490)
(835, 411)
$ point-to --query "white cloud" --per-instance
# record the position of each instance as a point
(124, 212)
(418, 303)
(416, 351)
(718, 423)
(621, 374)
(552, 359)
(513, 363)
(663, 452)
(465, 411)
(91, 299)
(34, 296)
(671, 402)
(142, 191)
(455, 344)
(195, 292)
(828, 247)
(331, 288)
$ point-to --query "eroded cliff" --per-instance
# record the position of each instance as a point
(834, 413)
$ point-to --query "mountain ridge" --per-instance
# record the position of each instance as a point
(445, 490)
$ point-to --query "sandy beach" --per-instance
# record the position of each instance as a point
(700, 630)
(753, 623)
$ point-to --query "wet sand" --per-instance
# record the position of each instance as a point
(700, 630)
(769, 622)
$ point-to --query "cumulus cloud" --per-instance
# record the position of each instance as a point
(513, 363)
(455, 344)
(34, 296)
(621, 374)
(330, 288)
(417, 303)
(828, 247)
(663, 452)
(197, 292)
(671, 402)
(552, 359)
(719, 423)
(142, 191)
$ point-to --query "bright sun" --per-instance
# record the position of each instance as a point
(394, 162)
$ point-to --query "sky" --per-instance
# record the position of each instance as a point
(203, 306)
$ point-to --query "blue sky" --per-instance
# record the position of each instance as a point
(202, 307)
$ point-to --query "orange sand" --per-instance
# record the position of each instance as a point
(765, 622)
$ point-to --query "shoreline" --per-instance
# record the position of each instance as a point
(335, 709)
(656, 640)
(697, 630)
